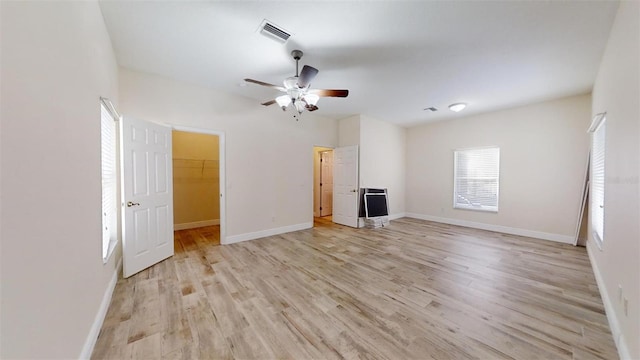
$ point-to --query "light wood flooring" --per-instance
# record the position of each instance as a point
(413, 290)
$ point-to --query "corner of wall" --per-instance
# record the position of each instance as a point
(349, 131)
(265, 233)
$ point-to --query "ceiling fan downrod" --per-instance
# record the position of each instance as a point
(297, 55)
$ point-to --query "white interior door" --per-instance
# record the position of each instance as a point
(326, 183)
(345, 185)
(147, 195)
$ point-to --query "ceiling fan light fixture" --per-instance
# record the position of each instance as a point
(457, 107)
(290, 83)
(311, 99)
(299, 106)
(283, 101)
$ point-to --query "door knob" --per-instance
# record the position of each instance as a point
(130, 204)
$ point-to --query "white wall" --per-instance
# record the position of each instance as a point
(56, 62)
(382, 160)
(269, 155)
(543, 153)
(381, 154)
(617, 92)
(349, 131)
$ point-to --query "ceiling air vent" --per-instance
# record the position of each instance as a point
(432, 109)
(273, 31)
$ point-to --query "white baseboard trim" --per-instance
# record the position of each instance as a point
(497, 228)
(614, 324)
(397, 216)
(196, 224)
(264, 233)
(90, 342)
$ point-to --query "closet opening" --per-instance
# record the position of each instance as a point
(196, 187)
(322, 185)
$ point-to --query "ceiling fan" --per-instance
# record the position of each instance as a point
(298, 93)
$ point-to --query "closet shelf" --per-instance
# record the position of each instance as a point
(201, 164)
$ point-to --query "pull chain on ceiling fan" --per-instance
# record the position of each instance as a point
(298, 93)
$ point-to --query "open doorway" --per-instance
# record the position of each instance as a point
(322, 184)
(196, 186)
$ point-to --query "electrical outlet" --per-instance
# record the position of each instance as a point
(626, 307)
(619, 292)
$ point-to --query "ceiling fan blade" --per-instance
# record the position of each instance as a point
(307, 74)
(265, 84)
(330, 92)
(270, 102)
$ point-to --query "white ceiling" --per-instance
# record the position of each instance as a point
(395, 57)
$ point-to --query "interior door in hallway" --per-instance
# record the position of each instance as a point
(345, 185)
(326, 183)
(147, 195)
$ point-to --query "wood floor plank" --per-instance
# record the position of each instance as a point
(148, 347)
(145, 319)
(412, 290)
(121, 306)
(176, 329)
(113, 340)
(210, 340)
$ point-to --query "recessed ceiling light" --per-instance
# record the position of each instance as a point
(433, 109)
(457, 107)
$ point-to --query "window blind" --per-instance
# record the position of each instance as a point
(476, 179)
(597, 178)
(109, 181)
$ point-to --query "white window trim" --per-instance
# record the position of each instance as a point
(599, 123)
(105, 104)
(493, 209)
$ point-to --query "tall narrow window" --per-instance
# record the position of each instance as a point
(476, 179)
(109, 182)
(597, 178)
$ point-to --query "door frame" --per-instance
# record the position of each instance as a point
(222, 173)
(313, 179)
(321, 182)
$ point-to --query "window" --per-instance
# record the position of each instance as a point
(109, 182)
(597, 178)
(476, 179)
